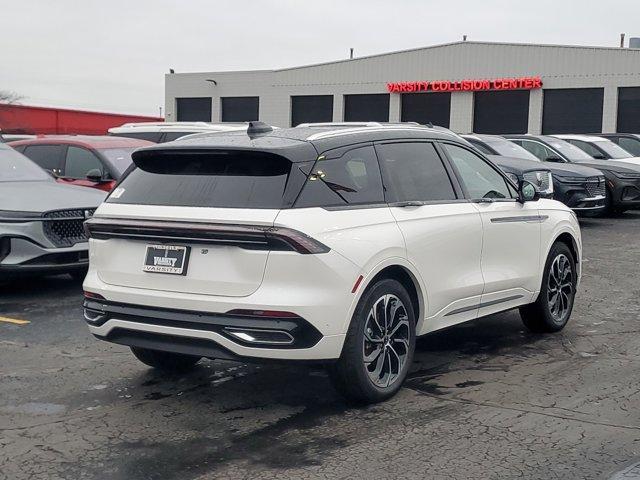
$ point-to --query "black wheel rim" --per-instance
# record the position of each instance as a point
(560, 288)
(386, 340)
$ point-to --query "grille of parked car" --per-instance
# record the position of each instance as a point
(595, 186)
(65, 227)
(541, 180)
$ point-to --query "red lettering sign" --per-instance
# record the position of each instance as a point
(469, 85)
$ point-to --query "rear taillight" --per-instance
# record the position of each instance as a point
(93, 296)
(254, 237)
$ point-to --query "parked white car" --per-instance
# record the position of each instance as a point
(600, 148)
(332, 244)
(161, 132)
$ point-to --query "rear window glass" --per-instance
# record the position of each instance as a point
(205, 179)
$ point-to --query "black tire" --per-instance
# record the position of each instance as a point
(165, 361)
(351, 376)
(545, 315)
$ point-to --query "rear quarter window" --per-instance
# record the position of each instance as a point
(352, 179)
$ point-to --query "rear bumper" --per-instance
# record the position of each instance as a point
(208, 334)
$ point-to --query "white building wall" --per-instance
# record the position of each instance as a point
(559, 67)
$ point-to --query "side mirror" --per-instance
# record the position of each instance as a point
(554, 159)
(95, 175)
(527, 192)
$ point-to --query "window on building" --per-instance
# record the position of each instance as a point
(501, 112)
(572, 110)
(628, 108)
(240, 109)
(311, 109)
(196, 109)
(434, 108)
(366, 108)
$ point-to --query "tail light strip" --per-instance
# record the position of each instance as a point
(254, 237)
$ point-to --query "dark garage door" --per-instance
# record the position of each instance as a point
(572, 110)
(311, 108)
(240, 109)
(425, 108)
(628, 110)
(366, 108)
(501, 112)
(193, 109)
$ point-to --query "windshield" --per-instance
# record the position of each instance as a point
(15, 167)
(612, 150)
(571, 152)
(510, 149)
(120, 158)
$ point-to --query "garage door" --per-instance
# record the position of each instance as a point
(240, 109)
(501, 112)
(425, 108)
(366, 108)
(629, 110)
(311, 108)
(196, 109)
(572, 110)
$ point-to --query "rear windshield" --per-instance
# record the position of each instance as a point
(205, 179)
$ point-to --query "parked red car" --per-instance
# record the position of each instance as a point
(89, 161)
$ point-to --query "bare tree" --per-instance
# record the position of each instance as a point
(8, 96)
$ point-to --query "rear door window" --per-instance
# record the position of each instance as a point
(414, 171)
(205, 179)
(352, 179)
(48, 157)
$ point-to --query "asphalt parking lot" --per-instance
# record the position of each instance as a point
(484, 400)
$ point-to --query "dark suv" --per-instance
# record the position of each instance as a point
(579, 187)
(622, 178)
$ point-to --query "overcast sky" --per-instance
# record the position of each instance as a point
(112, 55)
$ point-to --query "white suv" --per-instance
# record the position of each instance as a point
(161, 132)
(332, 244)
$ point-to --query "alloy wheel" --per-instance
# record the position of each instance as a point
(560, 287)
(386, 340)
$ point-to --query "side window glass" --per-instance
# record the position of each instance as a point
(414, 171)
(171, 136)
(480, 178)
(46, 156)
(587, 148)
(630, 145)
(351, 179)
(80, 161)
(481, 147)
(537, 149)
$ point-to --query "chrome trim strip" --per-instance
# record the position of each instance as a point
(522, 218)
(483, 305)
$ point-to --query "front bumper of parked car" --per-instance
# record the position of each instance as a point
(581, 194)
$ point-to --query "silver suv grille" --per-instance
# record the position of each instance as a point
(595, 186)
(64, 228)
(541, 180)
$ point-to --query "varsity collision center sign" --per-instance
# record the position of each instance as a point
(519, 83)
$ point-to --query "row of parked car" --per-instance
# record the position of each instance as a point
(42, 210)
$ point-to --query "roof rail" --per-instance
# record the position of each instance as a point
(340, 124)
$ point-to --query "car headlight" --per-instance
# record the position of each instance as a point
(627, 175)
(17, 216)
(513, 177)
(542, 180)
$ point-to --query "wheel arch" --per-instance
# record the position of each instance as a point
(570, 241)
(402, 271)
